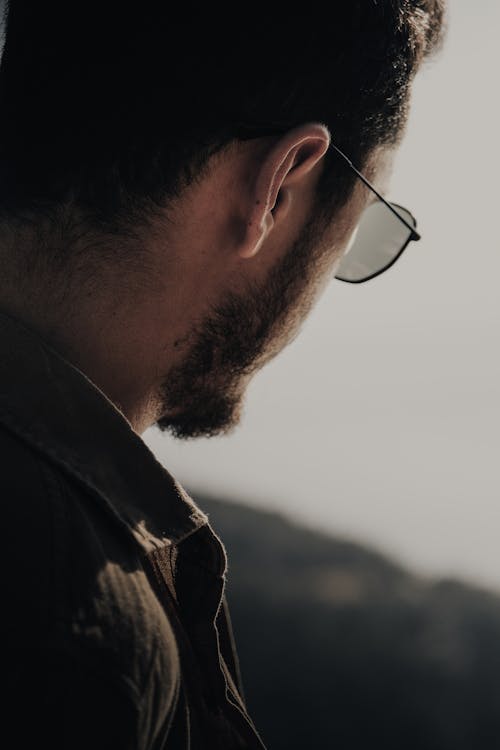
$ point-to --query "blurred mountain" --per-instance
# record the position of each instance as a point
(342, 648)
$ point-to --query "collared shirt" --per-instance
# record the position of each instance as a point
(117, 633)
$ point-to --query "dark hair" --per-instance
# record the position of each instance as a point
(110, 109)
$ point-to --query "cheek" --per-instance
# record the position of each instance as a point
(350, 241)
(336, 245)
(344, 230)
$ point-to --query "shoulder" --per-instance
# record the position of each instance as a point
(21, 476)
(27, 544)
(81, 622)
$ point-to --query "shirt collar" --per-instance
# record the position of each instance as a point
(58, 410)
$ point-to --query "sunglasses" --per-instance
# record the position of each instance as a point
(384, 231)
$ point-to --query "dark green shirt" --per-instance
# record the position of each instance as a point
(116, 628)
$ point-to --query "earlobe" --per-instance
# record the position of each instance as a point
(282, 170)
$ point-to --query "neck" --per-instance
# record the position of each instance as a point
(118, 341)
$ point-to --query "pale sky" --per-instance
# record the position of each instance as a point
(381, 422)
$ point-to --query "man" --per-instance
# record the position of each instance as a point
(174, 196)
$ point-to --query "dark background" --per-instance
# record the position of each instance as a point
(342, 648)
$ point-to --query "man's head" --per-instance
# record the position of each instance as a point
(184, 163)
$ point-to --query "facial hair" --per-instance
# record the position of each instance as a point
(203, 395)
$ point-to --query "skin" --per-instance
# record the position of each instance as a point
(174, 340)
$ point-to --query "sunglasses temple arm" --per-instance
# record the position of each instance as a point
(415, 234)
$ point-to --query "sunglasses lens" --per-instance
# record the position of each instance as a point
(376, 243)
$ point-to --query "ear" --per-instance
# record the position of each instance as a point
(283, 169)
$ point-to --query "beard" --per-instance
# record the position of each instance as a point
(203, 395)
